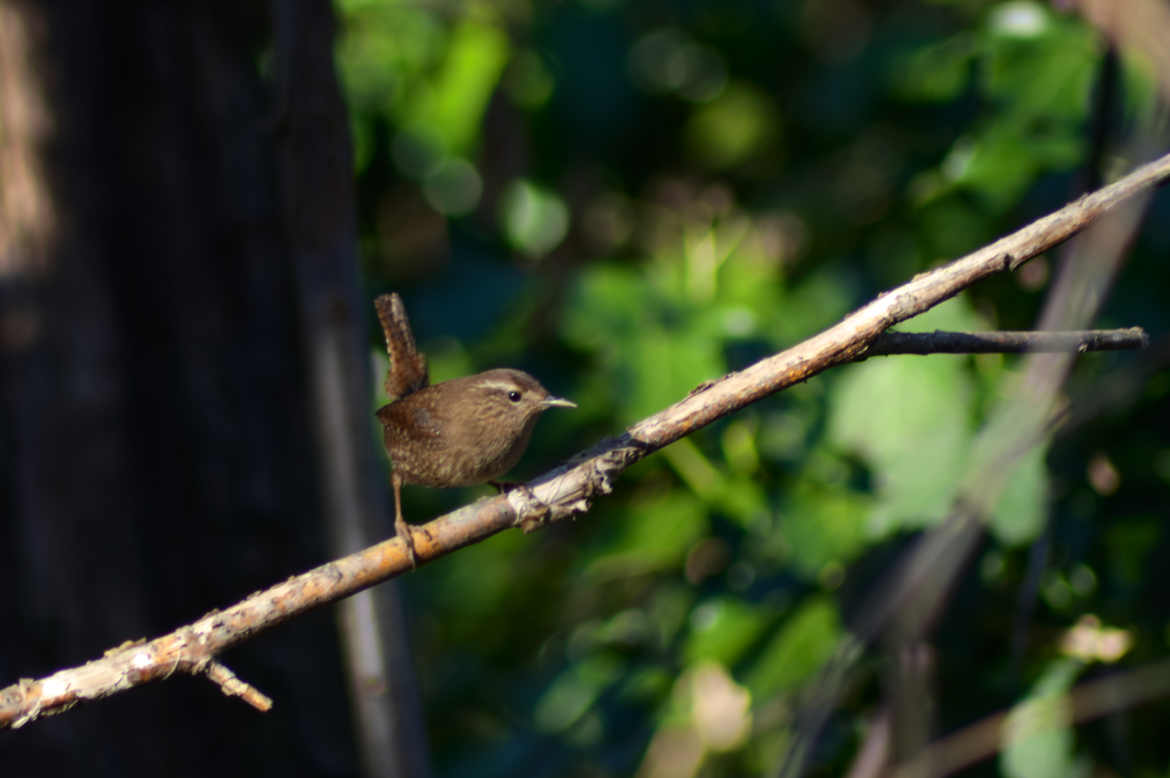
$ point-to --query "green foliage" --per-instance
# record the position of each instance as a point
(797, 650)
(630, 200)
(1020, 513)
(739, 124)
(1035, 70)
(1040, 738)
(912, 420)
(447, 109)
(534, 219)
(660, 530)
(823, 527)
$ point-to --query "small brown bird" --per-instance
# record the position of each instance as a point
(461, 432)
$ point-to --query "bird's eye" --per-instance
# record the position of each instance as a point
(514, 396)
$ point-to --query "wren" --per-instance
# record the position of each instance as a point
(460, 432)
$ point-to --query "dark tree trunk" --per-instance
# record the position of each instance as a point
(163, 270)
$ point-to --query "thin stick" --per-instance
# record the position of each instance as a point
(232, 686)
(1005, 342)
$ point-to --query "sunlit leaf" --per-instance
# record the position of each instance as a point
(449, 108)
(1039, 730)
(911, 420)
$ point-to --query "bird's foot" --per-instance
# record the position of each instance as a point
(404, 531)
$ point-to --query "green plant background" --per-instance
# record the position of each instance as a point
(628, 199)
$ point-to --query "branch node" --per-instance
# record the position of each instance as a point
(531, 512)
(231, 685)
(26, 687)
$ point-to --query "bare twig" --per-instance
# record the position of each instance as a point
(1088, 700)
(567, 490)
(1005, 342)
(232, 686)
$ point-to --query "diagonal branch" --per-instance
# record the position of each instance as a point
(564, 491)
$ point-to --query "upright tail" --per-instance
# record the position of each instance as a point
(408, 368)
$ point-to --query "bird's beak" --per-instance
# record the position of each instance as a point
(558, 401)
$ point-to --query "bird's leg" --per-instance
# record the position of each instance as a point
(401, 528)
(505, 486)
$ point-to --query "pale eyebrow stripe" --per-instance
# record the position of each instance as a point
(503, 386)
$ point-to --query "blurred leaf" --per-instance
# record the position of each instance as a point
(739, 445)
(911, 420)
(452, 186)
(1039, 734)
(666, 364)
(1129, 543)
(744, 501)
(647, 684)
(481, 583)
(384, 47)
(528, 80)
(447, 111)
(824, 526)
(608, 303)
(937, 71)
(535, 219)
(1042, 68)
(740, 497)
(723, 628)
(655, 535)
(668, 60)
(575, 691)
(733, 128)
(669, 609)
(657, 354)
(816, 302)
(805, 640)
(1037, 69)
(704, 479)
(1003, 161)
(1022, 508)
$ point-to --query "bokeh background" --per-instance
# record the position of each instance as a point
(198, 203)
